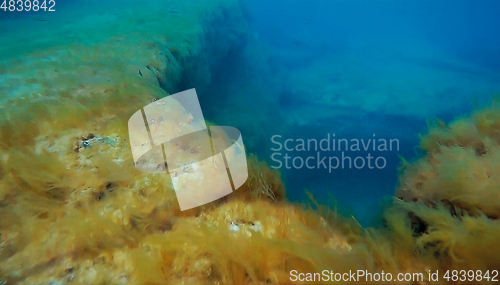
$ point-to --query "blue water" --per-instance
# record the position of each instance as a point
(355, 68)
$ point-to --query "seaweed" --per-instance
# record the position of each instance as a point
(74, 209)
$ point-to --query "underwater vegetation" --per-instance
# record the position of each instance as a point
(74, 210)
(453, 193)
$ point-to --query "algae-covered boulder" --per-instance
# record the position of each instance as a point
(453, 192)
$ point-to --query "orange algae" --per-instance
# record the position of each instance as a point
(452, 193)
(91, 224)
(462, 165)
(83, 214)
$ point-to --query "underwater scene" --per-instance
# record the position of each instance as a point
(249, 142)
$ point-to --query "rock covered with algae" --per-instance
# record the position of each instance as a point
(453, 193)
(74, 210)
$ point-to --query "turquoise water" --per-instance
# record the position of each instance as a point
(354, 69)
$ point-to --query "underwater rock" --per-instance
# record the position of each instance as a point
(462, 167)
(453, 191)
